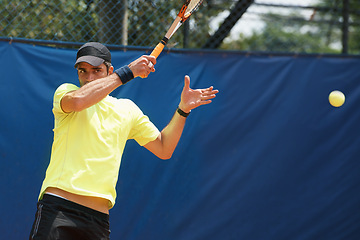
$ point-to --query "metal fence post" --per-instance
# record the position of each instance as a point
(345, 26)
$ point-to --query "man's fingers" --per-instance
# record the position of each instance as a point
(151, 61)
(147, 63)
(187, 82)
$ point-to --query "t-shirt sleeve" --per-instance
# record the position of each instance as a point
(143, 130)
(60, 93)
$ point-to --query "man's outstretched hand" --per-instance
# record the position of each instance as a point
(193, 98)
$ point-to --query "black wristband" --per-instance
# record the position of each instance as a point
(125, 74)
(182, 113)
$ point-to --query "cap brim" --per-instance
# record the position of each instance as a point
(94, 61)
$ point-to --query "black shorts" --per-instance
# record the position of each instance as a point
(58, 218)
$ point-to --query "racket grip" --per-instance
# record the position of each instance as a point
(158, 49)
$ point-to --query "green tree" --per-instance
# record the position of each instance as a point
(283, 36)
(294, 33)
(333, 14)
(103, 20)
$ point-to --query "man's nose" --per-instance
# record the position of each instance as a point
(90, 77)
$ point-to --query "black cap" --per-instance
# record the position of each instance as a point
(93, 53)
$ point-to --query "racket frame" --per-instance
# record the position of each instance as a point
(179, 20)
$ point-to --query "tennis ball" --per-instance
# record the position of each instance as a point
(336, 98)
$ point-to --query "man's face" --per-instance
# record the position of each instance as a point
(88, 73)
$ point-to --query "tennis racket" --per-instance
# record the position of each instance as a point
(185, 12)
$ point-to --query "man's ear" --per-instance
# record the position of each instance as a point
(111, 70)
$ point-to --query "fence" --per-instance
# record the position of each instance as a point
(269, 25)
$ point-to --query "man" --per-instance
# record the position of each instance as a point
(91, 129)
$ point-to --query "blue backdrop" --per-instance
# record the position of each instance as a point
(270, 158)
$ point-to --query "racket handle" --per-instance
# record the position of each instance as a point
(158, 49)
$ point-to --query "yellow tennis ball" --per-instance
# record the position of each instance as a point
(336, 98)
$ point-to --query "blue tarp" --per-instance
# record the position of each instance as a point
(270, 158)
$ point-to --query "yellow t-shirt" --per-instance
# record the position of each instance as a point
(88, 145)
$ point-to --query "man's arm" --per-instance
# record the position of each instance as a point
(89, 94)
(164, 145)
(94, 91)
